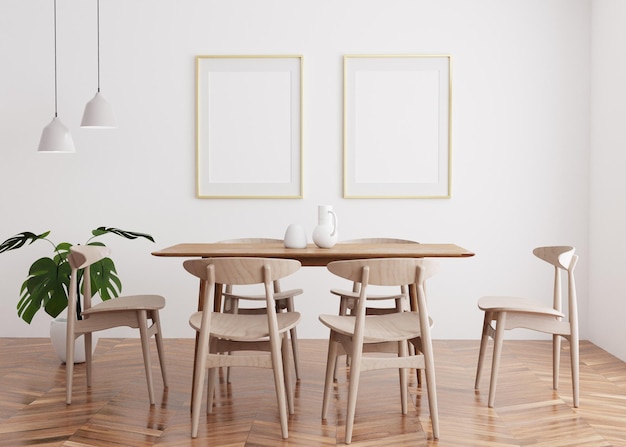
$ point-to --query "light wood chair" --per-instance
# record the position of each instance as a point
(359, 334)
(284, 301)
(136, 311)
(347, 298)
(515, 312)
(220, 332)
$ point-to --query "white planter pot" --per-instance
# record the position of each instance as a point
(58, 331)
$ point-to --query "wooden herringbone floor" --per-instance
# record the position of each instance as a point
(115, 412)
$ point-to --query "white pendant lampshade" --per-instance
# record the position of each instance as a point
(98, 113)
(56, 138)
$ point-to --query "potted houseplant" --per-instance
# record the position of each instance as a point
(47, 284)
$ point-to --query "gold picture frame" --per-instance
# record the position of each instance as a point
(397, 126)
(249, 126)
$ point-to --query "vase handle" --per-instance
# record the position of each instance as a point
(332, 213)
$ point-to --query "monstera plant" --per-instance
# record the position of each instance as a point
(47, 284)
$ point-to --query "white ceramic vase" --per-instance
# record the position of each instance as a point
(295, 236)
(325, 234)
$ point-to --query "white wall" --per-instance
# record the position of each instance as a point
(520, 137)
(608, 159)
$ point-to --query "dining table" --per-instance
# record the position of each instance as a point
(310, 256)
(313, 256)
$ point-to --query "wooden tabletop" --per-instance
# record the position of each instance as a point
(314, 256)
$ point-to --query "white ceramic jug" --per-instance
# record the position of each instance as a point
(325, 233)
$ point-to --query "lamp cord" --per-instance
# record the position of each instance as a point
(98, 28)
(55, 58)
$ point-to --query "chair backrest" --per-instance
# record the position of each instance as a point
(240, 271)
(560, 256)
(376, 240)
(385, 272)
(81, 257)
(250, 240)
(564, 259)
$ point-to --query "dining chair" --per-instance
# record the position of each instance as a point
(400, 300)
(284, 301)
(363, 335)
(516, 312)
(135, 311)
(220, 332)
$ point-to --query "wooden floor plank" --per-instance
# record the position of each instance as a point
(116, 412)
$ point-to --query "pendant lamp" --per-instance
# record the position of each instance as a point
(98, 112)
(55, 136)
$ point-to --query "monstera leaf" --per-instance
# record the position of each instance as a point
(47, 284)
(104, 279)
(19, 240)
(127, 234)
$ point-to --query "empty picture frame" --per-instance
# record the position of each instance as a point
(249, 126)
(397, 126)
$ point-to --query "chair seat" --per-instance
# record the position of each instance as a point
(515, 304)
(277, 295)
(389, 327)
(351, 294)
(240, 327)
(131, 302)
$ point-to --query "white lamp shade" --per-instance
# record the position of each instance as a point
(98, 114)
(56, 138)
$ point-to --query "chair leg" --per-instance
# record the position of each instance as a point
(497, 351)
(88, 357)
(484, 339)
(293, 333)
(279, 384)
(353, 389)
(198, 382)
(404, 389)
(287, 374)
(234, 309)
(156, 320)
(142, 317)
(344, 307)
(331, 361)
(69, 367)
(415, 348)
(429, 369)
(574, 353)
(556, 360)
(210, 395)
(403, 305)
